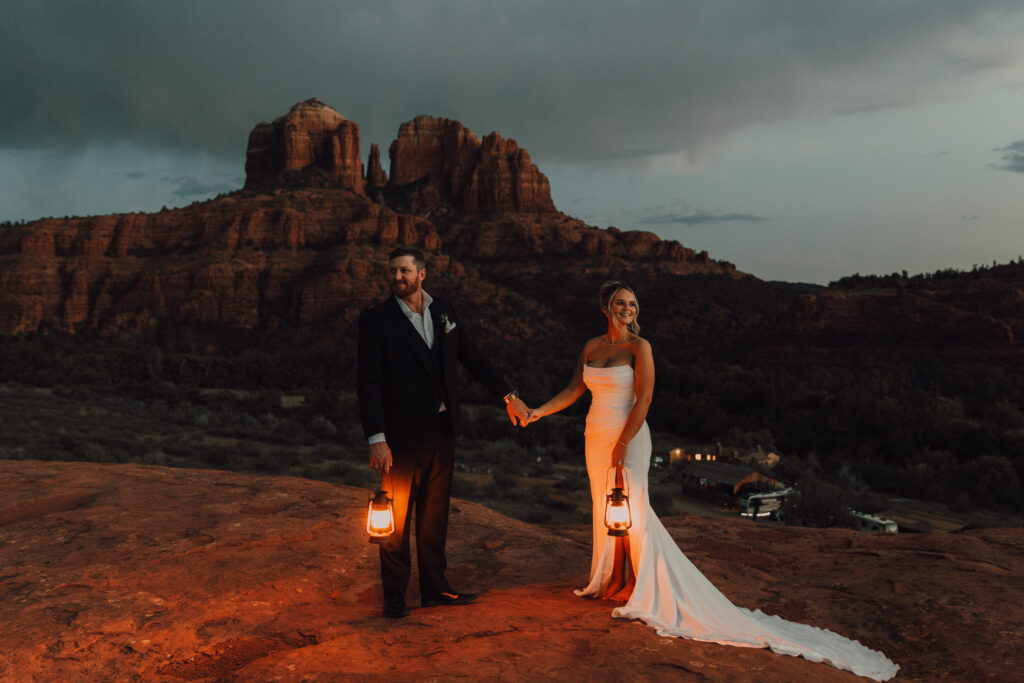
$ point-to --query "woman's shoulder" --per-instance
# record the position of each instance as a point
(640, 345)
(589, 347)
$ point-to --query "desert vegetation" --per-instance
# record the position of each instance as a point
(190, 397)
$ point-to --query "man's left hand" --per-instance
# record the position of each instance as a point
(518, 413)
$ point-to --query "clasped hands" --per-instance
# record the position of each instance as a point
(519, 413)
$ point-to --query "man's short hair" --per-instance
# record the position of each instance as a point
(403, 250)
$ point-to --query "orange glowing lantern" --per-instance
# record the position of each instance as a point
(380, 517)
(616, 510)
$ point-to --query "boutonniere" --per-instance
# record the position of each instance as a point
(448, 324)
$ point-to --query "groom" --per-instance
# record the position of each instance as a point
(409, 401)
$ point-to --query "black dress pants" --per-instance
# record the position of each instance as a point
(420, 481)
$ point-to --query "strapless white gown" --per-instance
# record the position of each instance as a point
(671, 594)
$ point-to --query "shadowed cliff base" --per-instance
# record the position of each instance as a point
(129, 572)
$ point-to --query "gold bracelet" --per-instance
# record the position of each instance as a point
(510, 396)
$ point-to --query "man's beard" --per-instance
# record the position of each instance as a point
(404, 288)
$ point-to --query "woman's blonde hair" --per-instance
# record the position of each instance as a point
(606, 293)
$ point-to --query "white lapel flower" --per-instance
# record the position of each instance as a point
(448, 324)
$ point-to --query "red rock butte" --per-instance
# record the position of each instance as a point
(492, 176)
(310, 135)
(302, 241)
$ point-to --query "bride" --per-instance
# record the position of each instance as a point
(646, 570)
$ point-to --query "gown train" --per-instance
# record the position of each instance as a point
(671, 595)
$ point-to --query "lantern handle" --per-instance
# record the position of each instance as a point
(625, 479)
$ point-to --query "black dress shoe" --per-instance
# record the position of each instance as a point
(395, 609)
(448, 599)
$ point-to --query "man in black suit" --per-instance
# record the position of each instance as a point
(409, 401)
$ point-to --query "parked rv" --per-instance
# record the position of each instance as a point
(764, 504)
(868, 522)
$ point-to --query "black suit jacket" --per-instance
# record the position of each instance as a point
(399, 383)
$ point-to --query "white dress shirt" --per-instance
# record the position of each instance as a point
(422, 322)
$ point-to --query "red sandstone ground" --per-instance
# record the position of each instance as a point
(129, 572)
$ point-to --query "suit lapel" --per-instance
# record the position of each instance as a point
(435, 317)
(411, 336)
(442, 340)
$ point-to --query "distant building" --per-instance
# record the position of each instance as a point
(724, 480)
(715, 453)
(759, 458)
(682, 455)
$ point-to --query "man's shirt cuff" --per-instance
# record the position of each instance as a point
(376, 438)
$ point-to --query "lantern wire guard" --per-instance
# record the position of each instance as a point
(617, 516)
(380, 514)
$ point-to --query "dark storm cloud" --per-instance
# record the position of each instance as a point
(574, 80)
(1013, 157)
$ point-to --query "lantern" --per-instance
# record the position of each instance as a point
(616, 511)
(380, 517)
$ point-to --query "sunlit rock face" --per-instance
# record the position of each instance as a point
(376, 179)
(242, 261)
(310, 135)
(304, 241)
(480, 177)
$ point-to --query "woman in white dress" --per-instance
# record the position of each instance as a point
(646, 570)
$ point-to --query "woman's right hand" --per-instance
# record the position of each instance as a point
(533, 416)
(619, 454)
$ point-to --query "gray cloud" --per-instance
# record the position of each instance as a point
(576, 81)
(697, 217)
(681, 212)
(1013, 157)
(187, 186)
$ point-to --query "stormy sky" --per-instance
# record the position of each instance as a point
(802, 140)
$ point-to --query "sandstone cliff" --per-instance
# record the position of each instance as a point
(128, 572)
(241, 261)
(376, 179)
(310, 135)
(488, 177)
(303, 242)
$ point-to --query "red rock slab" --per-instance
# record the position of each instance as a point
(130, 572)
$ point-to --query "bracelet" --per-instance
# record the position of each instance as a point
(510, 396)
(624, 444)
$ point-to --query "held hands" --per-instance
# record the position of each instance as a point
(380, 457)
(518, 413)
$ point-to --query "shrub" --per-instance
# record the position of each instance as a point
(816, 503)
(662, 504)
